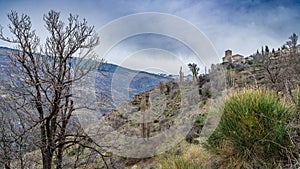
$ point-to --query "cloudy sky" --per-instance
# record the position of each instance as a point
(242, 26)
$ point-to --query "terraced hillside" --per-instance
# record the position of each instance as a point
(157, 110)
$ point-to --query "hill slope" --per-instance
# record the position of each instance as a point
(114, 84)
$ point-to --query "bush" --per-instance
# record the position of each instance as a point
(252, 130)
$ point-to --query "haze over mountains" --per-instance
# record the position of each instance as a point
(110, 79)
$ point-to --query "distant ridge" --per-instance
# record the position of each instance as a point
(137, 81)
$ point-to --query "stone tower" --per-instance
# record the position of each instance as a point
(228, 56)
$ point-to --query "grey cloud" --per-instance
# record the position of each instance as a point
(242, 26)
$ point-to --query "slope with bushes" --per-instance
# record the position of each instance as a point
(253, 131)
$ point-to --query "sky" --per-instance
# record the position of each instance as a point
(242, 26)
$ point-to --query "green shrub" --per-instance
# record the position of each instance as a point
(252, 129)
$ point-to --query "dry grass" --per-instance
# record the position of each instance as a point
(197, 155)
(192, 157)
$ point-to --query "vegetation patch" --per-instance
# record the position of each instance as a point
(252, 132)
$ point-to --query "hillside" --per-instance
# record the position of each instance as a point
(165, 104)
(107, 81)
(258, 120)
(118, 84)
(154, 113)
(160, 106)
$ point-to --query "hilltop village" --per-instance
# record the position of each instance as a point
(265, 67)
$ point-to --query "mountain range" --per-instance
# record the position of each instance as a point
(113, 84)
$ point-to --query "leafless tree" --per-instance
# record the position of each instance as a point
(291, 64)
(181, 75)
(6, 136)
(195, 71)
(270, 66)
(145, 124)
(45, 73)
(13, 141)
(292, 81)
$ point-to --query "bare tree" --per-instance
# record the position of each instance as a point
(145, 124)
(13, 141)
(6, 138)
(280, 70)
(46, 73)
(270, 67)
(292, 42)
(293, 55)
(181, 75)
(291, 58)
(195, 71)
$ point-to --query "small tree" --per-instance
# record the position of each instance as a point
(181, 75)
(195, 71)
(6, 136)
(268, 66)
(292, 66)
(293, 40)
(14, 141)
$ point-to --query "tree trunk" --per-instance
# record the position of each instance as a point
(59, 158)
(7, 161)
(7, 165)
(59, 155)
(47, 156)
